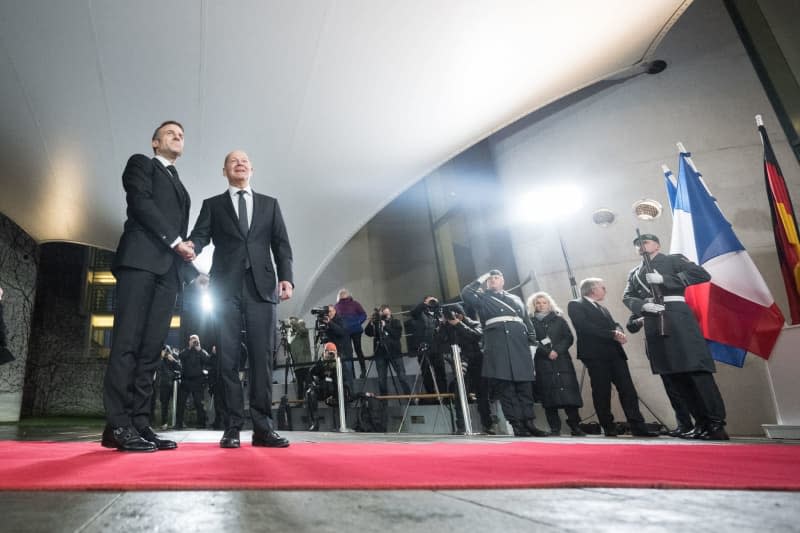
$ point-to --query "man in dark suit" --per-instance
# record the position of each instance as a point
(600, 341)
(248, 232)
(148, 265)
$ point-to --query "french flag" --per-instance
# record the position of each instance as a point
(736, 311)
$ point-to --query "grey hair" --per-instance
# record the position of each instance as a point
(588, 284)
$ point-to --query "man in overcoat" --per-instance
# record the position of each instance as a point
(507, 337)
(679, 351)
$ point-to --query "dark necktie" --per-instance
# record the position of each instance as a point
(243, 226)
(604, 311)
(174, 172)
(243, 213)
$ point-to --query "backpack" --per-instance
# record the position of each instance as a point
(370, 414)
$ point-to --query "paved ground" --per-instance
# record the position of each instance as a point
(575, 510)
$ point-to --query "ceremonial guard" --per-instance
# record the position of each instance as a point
(507, 336)
(675, 345)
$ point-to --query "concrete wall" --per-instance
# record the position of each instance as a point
(611, 143)
(19, 257)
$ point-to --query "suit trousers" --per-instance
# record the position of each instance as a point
(604, 372)
(145, 302)
(249, 312)
(702, 395)
(683, 410)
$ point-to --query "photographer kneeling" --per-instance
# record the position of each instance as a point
(386, 332)
(336, 332)
(323, 385)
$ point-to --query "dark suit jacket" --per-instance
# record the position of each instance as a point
(158, 213)
(595, 331)
(266, 239)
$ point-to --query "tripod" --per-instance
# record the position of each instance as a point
(424, 361)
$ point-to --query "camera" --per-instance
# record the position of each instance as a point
(284, 326)
(320, 311)
(433, 304)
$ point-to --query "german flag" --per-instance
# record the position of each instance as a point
(784, 225)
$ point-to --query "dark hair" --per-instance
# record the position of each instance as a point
(166, 123)
(384, 306)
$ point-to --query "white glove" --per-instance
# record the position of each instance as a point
(484, 277)
(654, 277)
(650, 307)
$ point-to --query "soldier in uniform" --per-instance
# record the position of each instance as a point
(681, 353)
(507, 362)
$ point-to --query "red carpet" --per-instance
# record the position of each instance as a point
(469, 465)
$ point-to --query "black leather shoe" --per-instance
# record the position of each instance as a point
(269, 440)
(610, 431)
(678, 431)
(520, 431)
(230, 439)
(715, 431)
(533, 430)
(148, 434)
(696, 433)
(125, 439)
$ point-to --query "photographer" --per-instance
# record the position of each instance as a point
(300, 347)
(323, 386)
(169, 371)
(426, 319)
(336, 332)
(457, 328)
(194, 362)
(386, 332)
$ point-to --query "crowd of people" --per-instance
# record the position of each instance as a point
(519, 353)
(514, 353)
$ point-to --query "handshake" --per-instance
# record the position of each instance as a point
(185, 249)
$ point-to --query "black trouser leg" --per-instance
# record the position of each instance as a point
(182, 394)
(199, 408)
(355, 338)
(382, 365)
(621, 377)
(679, 405)
(165, 397)
(141, 322)
(573, 416)
(399, 366)
(600, 379)
(553, 419)
(708, 393)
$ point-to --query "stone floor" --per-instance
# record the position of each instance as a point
(388, 511)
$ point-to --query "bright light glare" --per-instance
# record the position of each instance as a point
(550, 203)
(206, 302)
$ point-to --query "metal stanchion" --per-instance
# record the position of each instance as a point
(462, 390)
(174, 401)
(340, 390)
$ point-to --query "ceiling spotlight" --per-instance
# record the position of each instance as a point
(604, 217)
(657, 66)
(647, 209)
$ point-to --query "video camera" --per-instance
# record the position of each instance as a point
(321, 326)
(284, 326)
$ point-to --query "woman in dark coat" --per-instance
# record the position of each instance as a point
(556, 386)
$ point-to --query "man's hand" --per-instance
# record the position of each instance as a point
(553, 355)
(654, 277)
(650, 307)
(453, 321)
(286, 290)
(620, 337)
(185, 249)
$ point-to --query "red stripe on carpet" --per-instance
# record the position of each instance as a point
(468, 465)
